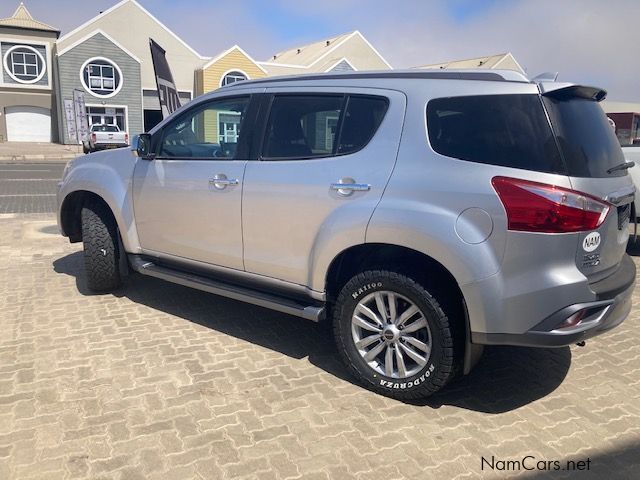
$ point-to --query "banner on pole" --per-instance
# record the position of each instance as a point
(167, 92)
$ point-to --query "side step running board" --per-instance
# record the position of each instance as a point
(262, 299)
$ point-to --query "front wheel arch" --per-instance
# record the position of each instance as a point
(71, 212)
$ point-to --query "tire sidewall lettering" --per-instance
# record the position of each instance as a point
(366, 288)
(413, 383)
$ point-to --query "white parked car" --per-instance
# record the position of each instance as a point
(632, 154)
(101, 137)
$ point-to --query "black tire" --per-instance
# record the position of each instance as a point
(101, 248)
(85, 150)
(439, 367)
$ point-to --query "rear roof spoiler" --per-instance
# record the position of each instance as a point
(564, 91)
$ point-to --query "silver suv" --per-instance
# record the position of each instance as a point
(423, 214)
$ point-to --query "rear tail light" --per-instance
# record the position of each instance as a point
(126, 138)
(538, 207)
(93, 137)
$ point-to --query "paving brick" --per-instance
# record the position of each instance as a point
(159, 381)
(153, 428)
(151, 460)
(113, 463)
(78, 465)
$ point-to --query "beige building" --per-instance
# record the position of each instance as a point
(232, 65)
(27, 98)
(502, 61)
(346, 52)
(349, 51)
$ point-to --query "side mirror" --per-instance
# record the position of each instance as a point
(141, 146)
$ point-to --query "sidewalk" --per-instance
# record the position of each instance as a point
(23, 152)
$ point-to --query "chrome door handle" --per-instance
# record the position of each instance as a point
(220, 181)
(346, 189)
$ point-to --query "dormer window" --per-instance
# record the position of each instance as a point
(233, 77)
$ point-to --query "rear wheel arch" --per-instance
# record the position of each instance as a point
(426, 270)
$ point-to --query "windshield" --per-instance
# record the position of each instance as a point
(587, 141)
(104, 128)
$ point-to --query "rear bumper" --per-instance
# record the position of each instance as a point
(105, 146)
(612, 305)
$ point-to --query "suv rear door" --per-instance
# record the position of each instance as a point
(591, 153)
(314, 139)
(563, 132)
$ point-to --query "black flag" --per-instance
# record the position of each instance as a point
(167, 92)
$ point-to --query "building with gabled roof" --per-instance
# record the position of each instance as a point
(22, 19)
(229, 66)
(348, 51)
(502, 61)
(27, 97)
(136, 108)
(104, 72)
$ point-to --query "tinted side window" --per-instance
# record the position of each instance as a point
(302, 126)
(503, 130)
(210, 131)
(313, 126)
(362, 119)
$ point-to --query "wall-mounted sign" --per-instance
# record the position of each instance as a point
(70, 119)
(82, 123)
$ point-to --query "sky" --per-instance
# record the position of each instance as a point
(587, 41)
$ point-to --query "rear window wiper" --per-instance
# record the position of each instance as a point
(622, 166)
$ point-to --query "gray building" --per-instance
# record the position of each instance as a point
(116, 42)
(108, 76)
(27, 90)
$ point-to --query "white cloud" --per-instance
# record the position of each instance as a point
(587, 41)
(590, 41)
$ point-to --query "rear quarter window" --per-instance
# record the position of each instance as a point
(503, 130)
(588, 143)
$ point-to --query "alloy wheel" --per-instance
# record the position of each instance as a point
(391, 334)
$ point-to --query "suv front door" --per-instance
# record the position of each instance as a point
(187, 199)
(313, 140)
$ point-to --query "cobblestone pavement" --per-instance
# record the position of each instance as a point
(161, 382)
(29, 188)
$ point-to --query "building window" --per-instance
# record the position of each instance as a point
(229, 127)
(101, 77)
(233, 77)
(107, 116)
(24, 64)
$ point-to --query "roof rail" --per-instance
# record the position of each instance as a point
(473, 74)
